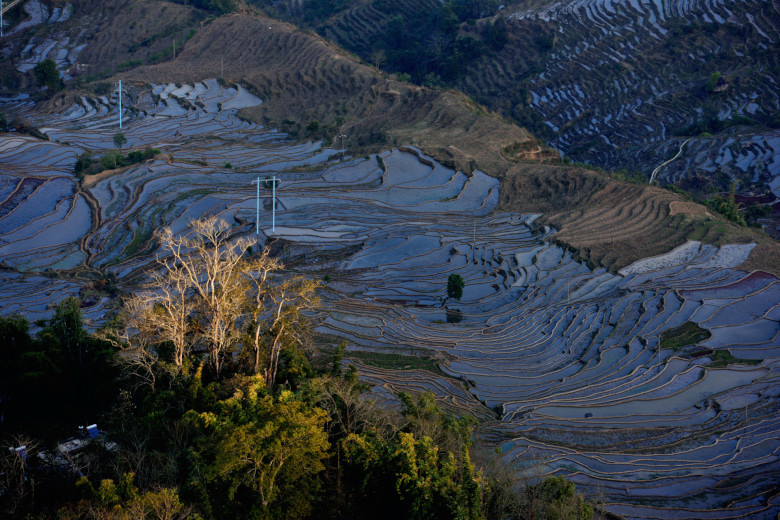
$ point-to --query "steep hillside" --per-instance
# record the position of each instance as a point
(304, 79)
(307, 86)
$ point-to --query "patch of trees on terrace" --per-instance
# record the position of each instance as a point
(87, 164)
(211, 405)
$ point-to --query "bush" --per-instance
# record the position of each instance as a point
(727, 206)
(495, 34)
(214, 6)
(83, 163)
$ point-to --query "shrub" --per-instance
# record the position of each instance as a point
(83, 163)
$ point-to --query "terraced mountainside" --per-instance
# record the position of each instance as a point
(652, 384)
(302, 77)
(623, 85)
(625, 79)
(302, 80)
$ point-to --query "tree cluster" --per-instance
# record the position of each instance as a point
(211, 296)
(727, 206)
(87, 164)
(60, 375)
(217, 7)
(429, 46)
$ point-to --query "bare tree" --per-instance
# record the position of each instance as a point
(208, 264)
(17, 482)
(378, 56)
(163, 312)
(286, 301)
(207, 295)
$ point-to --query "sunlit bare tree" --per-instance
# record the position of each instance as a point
(207, 294)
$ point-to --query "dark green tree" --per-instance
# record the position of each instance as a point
(557, 497)
(423, 472)
(495, 34)
(120, 140)
(455, 285)
(264, 452)
(83, 163)
(727, 206)
(68, 329)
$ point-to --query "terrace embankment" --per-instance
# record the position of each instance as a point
(312, 89)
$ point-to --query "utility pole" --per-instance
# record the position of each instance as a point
(1, 17)
(342, 136)
(273, 205)
(474, 243)
(120, 104)
(222, 67)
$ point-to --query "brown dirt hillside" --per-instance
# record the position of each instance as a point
(303, 78)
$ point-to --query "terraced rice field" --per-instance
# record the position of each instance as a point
(56, 45)
(622, 77)
(571, 357)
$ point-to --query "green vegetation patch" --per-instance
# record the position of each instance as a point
(89, 165)
(140, 237)
(398, 361)
(683, 336)
(722, 358)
